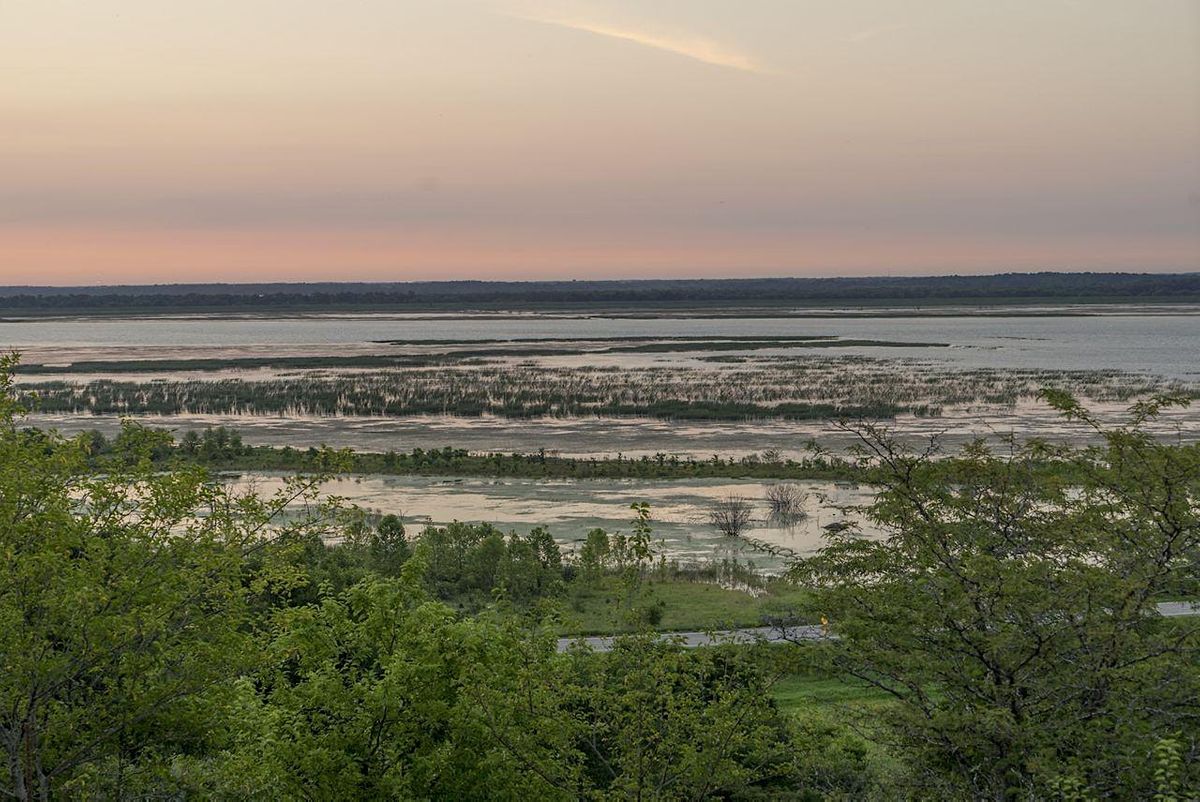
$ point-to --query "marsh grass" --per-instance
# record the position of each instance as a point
(797, 388)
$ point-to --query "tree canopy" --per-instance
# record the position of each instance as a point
(1010, 611)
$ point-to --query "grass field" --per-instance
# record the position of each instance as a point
(686, 606)
(691, 606)
(804, 691)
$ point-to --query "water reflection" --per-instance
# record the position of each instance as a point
(570, 509)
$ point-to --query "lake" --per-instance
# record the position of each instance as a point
(1122, 338)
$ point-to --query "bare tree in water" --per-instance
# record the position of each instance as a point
(731, 516)
(786, 501)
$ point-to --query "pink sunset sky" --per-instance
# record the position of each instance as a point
(254, 140)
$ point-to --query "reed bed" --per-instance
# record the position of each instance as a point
(792, 387)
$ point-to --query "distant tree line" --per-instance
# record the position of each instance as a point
(468, 294)
(223, 448)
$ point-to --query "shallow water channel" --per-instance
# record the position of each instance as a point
(570, 508)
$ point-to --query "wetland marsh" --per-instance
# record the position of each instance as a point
(597, 385)
(569, 509)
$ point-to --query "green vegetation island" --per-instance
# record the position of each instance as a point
(222, 449)
(167, 635)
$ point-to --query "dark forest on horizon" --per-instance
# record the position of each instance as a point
(1047, 287)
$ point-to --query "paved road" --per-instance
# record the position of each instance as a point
(1179, 608)
(690, 640)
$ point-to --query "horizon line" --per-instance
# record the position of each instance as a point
(647, 280)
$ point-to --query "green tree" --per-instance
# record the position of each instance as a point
(375, 693)
(484, 562)
(381, 692)
(594, 555)
(190, 442)
(123, 599)
(654, 721)
(388, 546)
(1010, 609)
(532, 567)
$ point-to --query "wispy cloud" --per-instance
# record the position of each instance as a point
(692, 47)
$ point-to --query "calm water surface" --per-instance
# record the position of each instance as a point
(1163, 344)
(571, 508)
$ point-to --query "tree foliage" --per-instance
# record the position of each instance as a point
(1011, 612)
(123, 598)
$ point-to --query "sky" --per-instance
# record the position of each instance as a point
(146, 141)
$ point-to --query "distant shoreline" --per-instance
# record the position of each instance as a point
(1009, 308)
(1017, 294)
